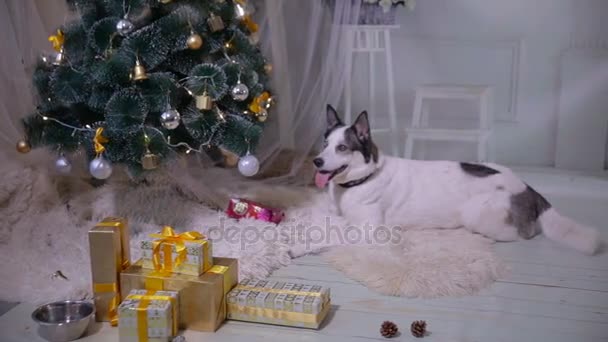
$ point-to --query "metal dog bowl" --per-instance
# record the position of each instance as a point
(64, 320)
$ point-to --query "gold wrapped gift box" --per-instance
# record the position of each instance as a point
(110, 254)
(148, 316)
(296, 305)
(202, 298)
(187, 253)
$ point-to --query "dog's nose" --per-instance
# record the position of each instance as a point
(318, 162)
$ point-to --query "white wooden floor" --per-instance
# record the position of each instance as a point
(552, 294)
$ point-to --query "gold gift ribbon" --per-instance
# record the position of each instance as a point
(113, 309)
(295, 317)
(153, 283)
(113, 287)
(168, 238)
(278, 291)
(142, 312)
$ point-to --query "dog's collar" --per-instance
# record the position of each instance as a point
(356, 182)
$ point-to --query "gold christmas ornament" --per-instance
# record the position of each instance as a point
(150, 161)
(195, 41)
(139, 72)
(165, 1)
(215, 23)
(262, 116)
(267, 68)
(23, 146)
(204, 102)
(59, 57)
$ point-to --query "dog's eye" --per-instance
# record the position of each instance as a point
(342, 148)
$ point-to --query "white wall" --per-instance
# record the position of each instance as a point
(514, 45)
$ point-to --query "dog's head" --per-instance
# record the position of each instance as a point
(348, 151)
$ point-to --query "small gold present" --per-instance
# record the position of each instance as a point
(296, 305)
(110, 254)
(202, 298)
(148, 316)
(186, 253)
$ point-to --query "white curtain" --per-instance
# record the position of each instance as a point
(24, 27)
(306, 44)
(302, 39)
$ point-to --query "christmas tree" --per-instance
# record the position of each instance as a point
(137, 82)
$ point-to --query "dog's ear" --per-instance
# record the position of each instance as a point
(361, 126)
(332, 118)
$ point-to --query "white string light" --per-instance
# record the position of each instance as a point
(87, 128)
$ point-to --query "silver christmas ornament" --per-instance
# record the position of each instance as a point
(63, 165)
(124, 27)
(170, 119)
(239, 92)
(100, 168)
(249, 165)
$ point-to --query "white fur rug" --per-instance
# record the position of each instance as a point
(44, 219)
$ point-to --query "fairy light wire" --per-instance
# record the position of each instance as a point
(48, 118)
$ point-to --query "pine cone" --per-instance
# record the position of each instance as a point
(389, 329)
(418, 328)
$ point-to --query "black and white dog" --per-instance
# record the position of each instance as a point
(369, 187)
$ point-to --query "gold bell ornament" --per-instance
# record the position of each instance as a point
(165, 1)
(262, 116)
(204, 102)
(59, 57)
(149, 161)
(139, 72)
(215, 23)
(195, 41)
(267, 68)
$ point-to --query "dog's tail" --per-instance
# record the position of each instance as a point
(569, 233)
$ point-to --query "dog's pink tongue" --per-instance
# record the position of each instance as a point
(321, 179)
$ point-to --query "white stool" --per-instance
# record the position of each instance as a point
(420, 122)
(374, 40)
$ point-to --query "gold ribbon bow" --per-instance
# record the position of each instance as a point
(99, 140)
(57, 40)
(257, 106)
(250, 24)
(168, 238)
